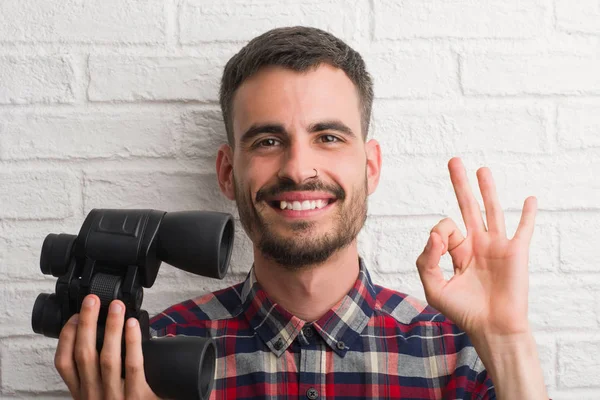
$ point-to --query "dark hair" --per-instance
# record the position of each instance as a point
(297, 48)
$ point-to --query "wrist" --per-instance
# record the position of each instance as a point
(513, 364)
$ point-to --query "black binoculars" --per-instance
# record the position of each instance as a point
(117, 253)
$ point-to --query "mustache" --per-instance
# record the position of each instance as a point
(290, 186)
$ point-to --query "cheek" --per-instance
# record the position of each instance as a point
(351, 167)
(251, 177)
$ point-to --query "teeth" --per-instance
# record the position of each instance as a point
(304, 205)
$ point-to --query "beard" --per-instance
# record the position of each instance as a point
(303, 249)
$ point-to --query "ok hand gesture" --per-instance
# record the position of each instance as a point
(487, 296)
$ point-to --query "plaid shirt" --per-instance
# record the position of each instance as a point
(375, 343)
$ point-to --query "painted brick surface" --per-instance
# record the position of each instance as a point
(91, 135)
(458, 18)
(153, 78)
(36, 79)
(74, 21)
(541, 74)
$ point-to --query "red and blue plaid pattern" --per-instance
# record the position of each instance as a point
(374, 344)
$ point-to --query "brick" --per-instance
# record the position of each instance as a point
(28, 365)
(20, 257)
(582, 16)
(571, 394)
(203, 134)
(553, 305)
(578, 363)
(578, 251)
(578, 126)
(458, 18)
(128, 78)
(422, 186)
(167, 191)
(37, 194)
(36, 80)
(17, 305)
(508, 75)
(209, 21)
(402, 130)
(408, 72)
(126, 21)
(88, 135)
(394, 244)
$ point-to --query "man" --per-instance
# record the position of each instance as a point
(308, 322)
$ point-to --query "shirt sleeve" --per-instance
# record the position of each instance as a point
(483, 388)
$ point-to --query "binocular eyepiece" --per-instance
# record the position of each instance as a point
(115, 255)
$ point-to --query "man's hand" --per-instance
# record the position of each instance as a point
(488, 295)
(488, 292)
(92, 376)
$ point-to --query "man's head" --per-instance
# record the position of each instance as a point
(296, 104)
(298, 49)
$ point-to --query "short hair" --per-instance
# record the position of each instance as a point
(298, 48)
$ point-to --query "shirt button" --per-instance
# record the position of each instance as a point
(312, 393)
(340, 345)
(278, 344)
(307, 331)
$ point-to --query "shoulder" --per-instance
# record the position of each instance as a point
(416, 321)
(405, 309)
(199, 313)
(427, 333)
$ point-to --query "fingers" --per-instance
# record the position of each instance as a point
(527, 223)
(135, 379)
(86, 354)
(110, 356)
(444, 237)
(63, 359)
(469, 207)
(429, 270)
(449, 233)
(493, 210)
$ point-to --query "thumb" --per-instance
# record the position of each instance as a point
(429, 270)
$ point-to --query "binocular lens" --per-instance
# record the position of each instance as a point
(47, 316)
(56, 254)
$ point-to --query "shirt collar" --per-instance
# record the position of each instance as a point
(339, 327)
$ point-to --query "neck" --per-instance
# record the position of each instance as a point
(308, 293)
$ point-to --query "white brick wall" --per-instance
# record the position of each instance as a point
(114, 104)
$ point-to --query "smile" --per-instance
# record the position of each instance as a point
(301, 205)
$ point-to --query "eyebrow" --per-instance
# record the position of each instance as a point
(329, 125)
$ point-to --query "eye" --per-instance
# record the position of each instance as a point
(329, 138)
(268, 142)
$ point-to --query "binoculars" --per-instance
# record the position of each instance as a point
(115, 255)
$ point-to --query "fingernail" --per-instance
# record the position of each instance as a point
(75, 319)
(89, 301)
(131, 322)
(115, 308)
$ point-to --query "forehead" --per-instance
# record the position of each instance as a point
(280, 95)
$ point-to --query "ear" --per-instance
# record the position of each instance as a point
(373, 164)
(225, 171)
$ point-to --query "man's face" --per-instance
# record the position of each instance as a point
(300, 166)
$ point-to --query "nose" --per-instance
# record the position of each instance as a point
(298, 164)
